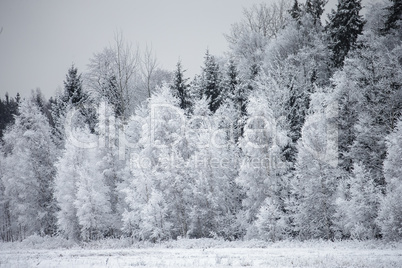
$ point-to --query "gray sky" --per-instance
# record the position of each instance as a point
(41, 39)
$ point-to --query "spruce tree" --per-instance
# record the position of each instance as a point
(73, 87)
(345, 25)
(210, 82)
(394, 16)
(315, 8)
(296, 11)
(180, 87)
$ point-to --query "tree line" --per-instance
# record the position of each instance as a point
(295, 133)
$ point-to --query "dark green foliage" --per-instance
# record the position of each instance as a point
(210, 82)
(345, 25)
(296, 11)
(73, 87)
(394, 16)
(315, 8)
(180, 87)
(8, 108)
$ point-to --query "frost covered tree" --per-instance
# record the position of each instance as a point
(357, 213)
(92, 200)
(344, 26)
(316, 173)
(157, 169)
(180, 87)
(72, 96)
(111, 162)
(113, 76)
(394, 17)
(260, 24)
(263, 168)
(28, 176)
(315, 8)
(68, 165)
(212, 169)
(271, 221)
(211, 82)
(390, 213)
(376, 73)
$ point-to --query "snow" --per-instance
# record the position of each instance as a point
(200, 253)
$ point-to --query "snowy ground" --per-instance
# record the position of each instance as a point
(205, 253)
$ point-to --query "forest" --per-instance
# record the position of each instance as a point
(294, 133)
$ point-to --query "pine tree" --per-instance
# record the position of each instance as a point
(315, 8)
(8, 109)
(210, 82)
(73, 87)
(345, 25)
(180, 87)
(394, 17)
(296, 11)
(235, 93)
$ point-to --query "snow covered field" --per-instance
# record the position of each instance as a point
(204, 253)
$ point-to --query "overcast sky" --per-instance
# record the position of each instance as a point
(41, 39)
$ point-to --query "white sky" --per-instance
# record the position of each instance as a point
(41, 39)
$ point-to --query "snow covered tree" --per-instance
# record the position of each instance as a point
(68, 167)
(394, 16)
(8, 108)
(212, 169)
(376, 73)
(111, 163)
(158, 169)
(295, 11)
(211, 82)
(72, 96)
(316, 173)
(113, 76)
(92, 200)
(28, 177)
(344, 26)
(315, 8)
(155, 225)
(180, 87)
(73, 87)
(390, 213)
(247, 39)
(271, 221)
(263, 167)
(235, 94)
(359, 210)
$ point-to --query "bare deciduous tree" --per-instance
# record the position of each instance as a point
(148, 68)
(112, 73)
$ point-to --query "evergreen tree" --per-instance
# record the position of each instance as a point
(394, 16)
(73, 87)
(296, 11)
(315, 8)
(344, 26)
(8, 109)
(211, 82)
(180, 87)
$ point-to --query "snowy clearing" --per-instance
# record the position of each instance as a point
(208, 253)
